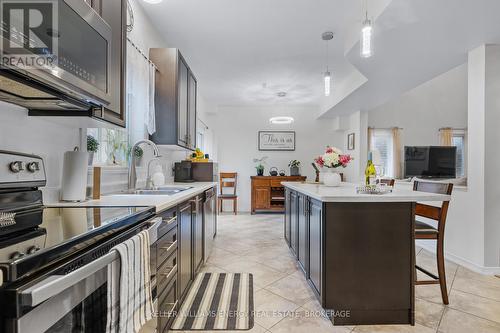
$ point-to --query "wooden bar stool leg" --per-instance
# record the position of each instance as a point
(441, 270)
(235, 206)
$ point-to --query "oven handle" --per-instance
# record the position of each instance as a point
(55, 284)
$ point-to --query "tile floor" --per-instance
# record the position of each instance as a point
(255, 244)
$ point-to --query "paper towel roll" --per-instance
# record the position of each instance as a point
(74, 178)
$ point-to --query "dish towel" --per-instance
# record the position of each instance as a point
(130, 304)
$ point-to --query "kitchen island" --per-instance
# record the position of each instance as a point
(356, 250)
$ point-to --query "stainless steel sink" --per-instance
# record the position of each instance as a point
(161, 190)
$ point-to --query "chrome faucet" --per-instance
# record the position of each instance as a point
(132, 174)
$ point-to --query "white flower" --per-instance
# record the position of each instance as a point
(331, 159)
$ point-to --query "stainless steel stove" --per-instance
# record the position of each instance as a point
(47, 255)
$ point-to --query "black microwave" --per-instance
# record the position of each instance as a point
(72, 45)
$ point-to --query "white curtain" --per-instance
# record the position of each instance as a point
(396, 152)
(140, 96)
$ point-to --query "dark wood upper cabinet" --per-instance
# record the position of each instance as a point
(175, 99)
(115, 14)
(192, 92)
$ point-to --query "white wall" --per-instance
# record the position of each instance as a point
(237, 129)
(355, 123)
(421, 112)
(39, 136)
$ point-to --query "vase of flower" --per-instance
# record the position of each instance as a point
(331, 178)
(329, 162)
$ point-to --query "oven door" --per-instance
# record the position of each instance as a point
(75, 302)
(81, 66)
(80, 308)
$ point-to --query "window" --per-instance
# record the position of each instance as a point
(459, 140)
(113, 146)
(381, 146)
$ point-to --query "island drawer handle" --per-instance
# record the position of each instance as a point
(172, 269)
(168, 248)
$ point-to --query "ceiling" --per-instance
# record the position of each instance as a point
(414, 41)
(243, 52)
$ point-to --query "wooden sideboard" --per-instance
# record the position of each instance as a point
(268, 195)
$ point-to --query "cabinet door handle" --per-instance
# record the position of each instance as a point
(170, 221)
(168, 248)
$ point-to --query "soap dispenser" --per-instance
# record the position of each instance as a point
(158, 176)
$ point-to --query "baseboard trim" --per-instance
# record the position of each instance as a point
(462, 262)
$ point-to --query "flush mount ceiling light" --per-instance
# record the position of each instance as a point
(327, 36)
(281, 120)
(366, 35)
(153, 1)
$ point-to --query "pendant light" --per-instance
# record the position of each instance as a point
(366, 36)
(327, 36)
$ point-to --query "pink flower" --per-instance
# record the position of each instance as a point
(344, 160)
(329, 150)
(319, 161)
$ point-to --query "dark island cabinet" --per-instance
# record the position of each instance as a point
(293, 222)
(303, 232)
(315, 244)
(286, 228)
(358, 257)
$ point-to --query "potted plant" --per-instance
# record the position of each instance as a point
(332, 159)
(294, 166)
(92, 147)
(138, 153)
(260, 165)
(260, 169)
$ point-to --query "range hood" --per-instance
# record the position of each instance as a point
(35, 96)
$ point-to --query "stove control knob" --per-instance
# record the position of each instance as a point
(33, 166)
(33, 249)
(17, 255)
(16, 166)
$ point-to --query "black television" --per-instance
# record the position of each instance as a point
(431, 162)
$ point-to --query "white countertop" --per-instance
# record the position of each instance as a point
(160, 202)
(347, 193)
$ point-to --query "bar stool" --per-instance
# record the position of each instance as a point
(426, 231)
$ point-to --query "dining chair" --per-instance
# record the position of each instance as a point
(228, 180)
(425, 230)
